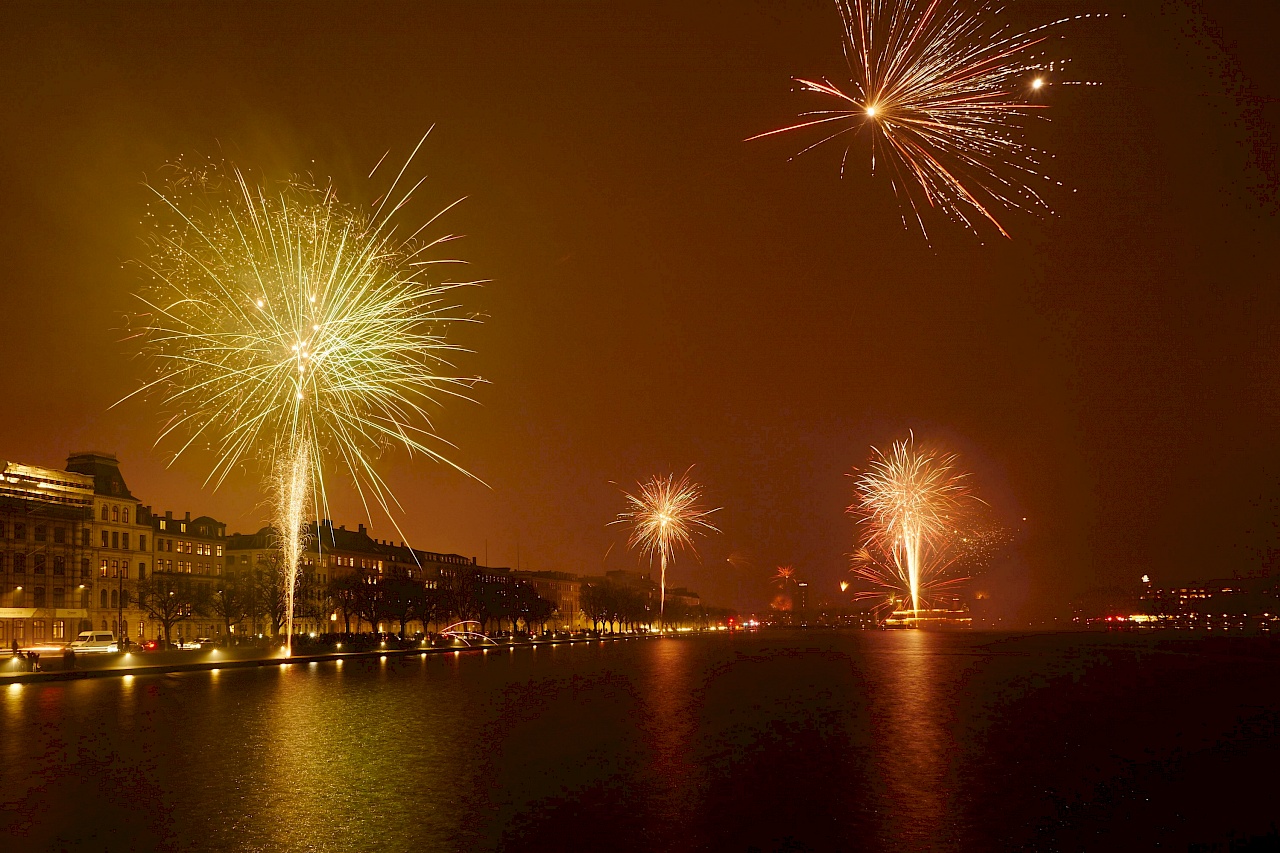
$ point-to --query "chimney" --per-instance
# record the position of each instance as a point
(188, 518)
(361, 529)
(168, 513)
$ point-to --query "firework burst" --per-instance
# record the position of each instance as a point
(664, 515)
(909, 502)
(945, 89)
(291, 334)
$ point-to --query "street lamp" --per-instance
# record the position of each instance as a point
(123, 643)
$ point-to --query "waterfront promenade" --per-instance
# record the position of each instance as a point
(245, 657)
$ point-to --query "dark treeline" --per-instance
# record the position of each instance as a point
(365, 601)
(616, 606)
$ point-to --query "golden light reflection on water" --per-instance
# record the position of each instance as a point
(669, 695)
(914, 751)
(303, 756)
(127, 703)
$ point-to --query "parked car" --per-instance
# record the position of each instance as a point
(91, 642)
(150, 645)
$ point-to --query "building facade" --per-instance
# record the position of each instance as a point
(563, 591)
(119, 545)
(46, 555)
(195, 550)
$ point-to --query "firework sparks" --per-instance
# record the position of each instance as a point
(290, 333)
(909, 501)
(664, 515)
(784, 576)
(945, 89)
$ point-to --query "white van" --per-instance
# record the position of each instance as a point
(94, 641)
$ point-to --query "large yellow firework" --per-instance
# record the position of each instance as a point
(291, 334)
(664, 516)
(945, 89)
(909, 501)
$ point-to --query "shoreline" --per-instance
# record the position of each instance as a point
(249, 663)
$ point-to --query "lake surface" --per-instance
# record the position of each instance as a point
(783, 741)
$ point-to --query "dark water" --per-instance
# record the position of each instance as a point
(789, 741)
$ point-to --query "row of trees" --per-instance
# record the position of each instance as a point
(360, 599)
(615, 606)
(400, 599)
(364, 601)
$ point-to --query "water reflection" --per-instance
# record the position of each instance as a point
(913, 747)
(805, 741)
(670, 705)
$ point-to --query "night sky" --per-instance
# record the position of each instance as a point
(664, 294)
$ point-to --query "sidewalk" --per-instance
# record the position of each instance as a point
(156, 663)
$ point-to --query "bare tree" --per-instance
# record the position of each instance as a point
(168, 599)
(230, 603)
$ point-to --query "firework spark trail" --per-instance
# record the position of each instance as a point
(289, 332)
(890, 577)
(293, 488)
(945, 89)
(910, 501)
(664, 516)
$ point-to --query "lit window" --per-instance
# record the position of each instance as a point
(125, 515)
(115, 513)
